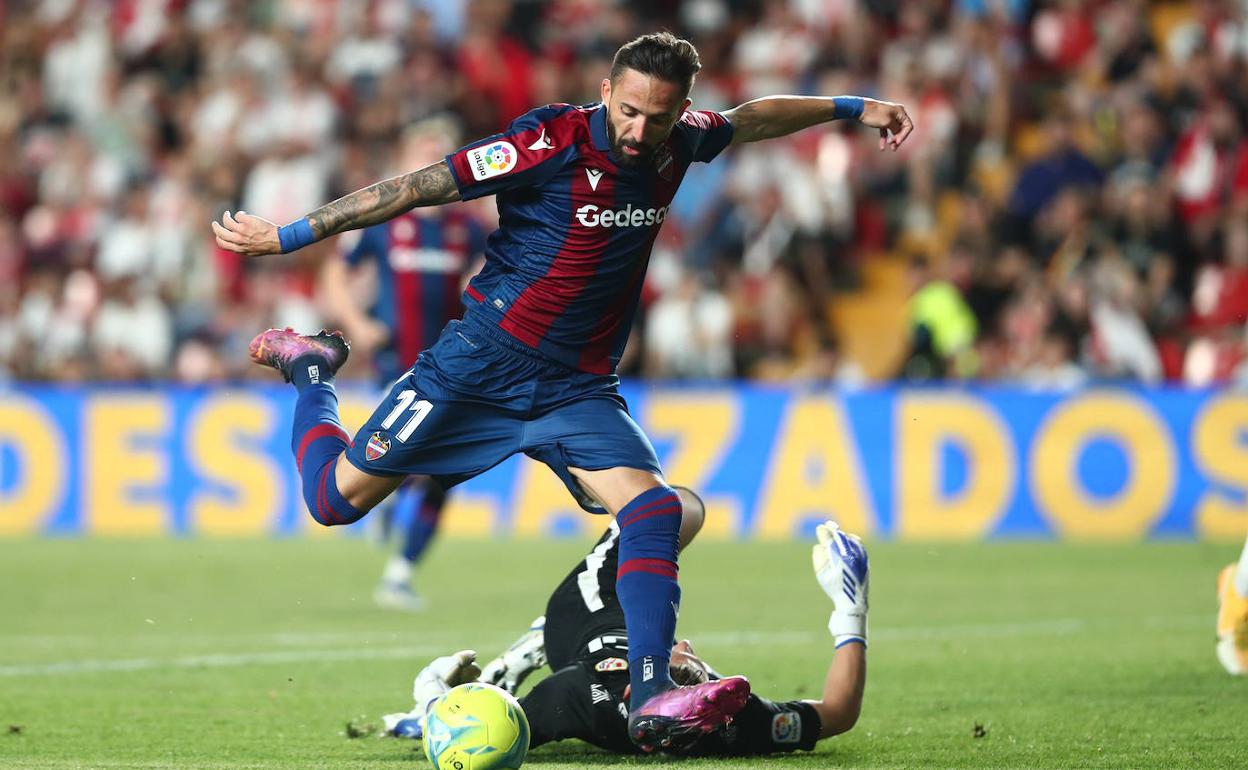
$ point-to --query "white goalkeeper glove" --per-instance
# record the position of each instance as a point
(840, 562)
(526, 655)
(433, 681)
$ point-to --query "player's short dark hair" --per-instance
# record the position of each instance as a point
(661, 55)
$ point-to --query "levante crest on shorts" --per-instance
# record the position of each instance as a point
(378, 445)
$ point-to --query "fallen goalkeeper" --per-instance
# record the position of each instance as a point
(582, 638)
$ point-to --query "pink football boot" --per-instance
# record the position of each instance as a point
(674, 720)
(279, 348)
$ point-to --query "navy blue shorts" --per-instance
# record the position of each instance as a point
(478, 396)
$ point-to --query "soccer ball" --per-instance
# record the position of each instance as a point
(476, 726)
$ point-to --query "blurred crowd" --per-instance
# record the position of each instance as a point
(1070, 208)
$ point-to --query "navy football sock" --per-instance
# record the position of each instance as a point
(317, 439)
(647, 588)
(424, 521)
(311, 369)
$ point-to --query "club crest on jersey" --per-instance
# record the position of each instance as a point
(611, 664)
(492, 160)
(786, 727)
(663, 161)
(377, 446)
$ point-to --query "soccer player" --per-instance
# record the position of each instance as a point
(585, 643)
(1232, 625)
(420, 259)
(581, 194)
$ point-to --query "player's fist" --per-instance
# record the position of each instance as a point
(442, 674)
(247, 234)
(431, 683)
(841, 567)
(891, 119)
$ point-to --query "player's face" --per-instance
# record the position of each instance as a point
(641, 111)
(686, 667)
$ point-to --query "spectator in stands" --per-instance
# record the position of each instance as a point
(1080, 170)
(942, 327)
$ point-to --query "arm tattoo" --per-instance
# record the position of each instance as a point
(430, 186)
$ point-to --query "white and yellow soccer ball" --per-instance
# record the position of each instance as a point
(476, 726)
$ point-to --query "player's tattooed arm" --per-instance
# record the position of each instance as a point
(430, 186)
(774, 116)
(385, 200)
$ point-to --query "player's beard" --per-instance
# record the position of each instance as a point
(620, 157)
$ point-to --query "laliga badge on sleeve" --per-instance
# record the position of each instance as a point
(786, 727)
(611, 664)
(492, 159)
(377, 447)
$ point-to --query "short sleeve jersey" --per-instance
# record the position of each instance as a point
(421, 263)
(564, 269)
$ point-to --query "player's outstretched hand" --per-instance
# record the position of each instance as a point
(841, 567)
(247, 234)
(894, 124)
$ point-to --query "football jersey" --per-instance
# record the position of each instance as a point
(564, 270)
(421, 262)
(584, 606)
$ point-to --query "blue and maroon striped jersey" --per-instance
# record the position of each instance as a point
(421, 259)
(564, 270)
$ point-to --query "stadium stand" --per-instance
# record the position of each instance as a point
(1076, 187)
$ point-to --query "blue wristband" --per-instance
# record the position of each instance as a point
(295, 235)
(847, 107)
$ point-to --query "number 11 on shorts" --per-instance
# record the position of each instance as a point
(420, 410)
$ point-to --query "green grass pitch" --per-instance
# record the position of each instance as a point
(256, 654)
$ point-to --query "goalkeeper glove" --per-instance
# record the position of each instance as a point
(433, 681)
(526, 655)
(840, 563)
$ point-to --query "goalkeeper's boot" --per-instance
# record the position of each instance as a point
(280, 348)
(674, 720)
(526, 655)
(1232, 624)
